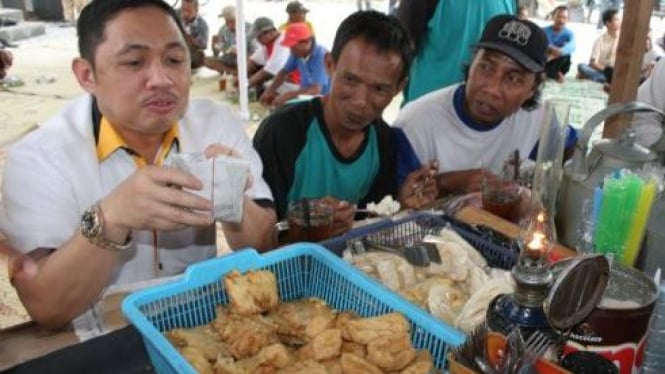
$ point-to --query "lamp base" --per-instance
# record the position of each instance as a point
(505, 313)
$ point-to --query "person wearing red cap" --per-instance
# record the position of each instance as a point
(338, 147)
(472, 127)
(308, 58)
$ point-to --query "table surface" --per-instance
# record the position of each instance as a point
(31, 347)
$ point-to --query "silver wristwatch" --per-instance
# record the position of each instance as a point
(92, 227)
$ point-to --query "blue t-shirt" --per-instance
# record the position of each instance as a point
(564, 39)
(312, 69)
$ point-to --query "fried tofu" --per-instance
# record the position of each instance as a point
(245, 335)
(304, 367)
(302, 319)
(324, 346)
(196, 358)
(387, 326)
(352, 364)
(423, 364)
(252, 293)
(202, 338)
(391, 354)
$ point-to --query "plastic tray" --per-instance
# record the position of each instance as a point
(413, 228)
(302, 270)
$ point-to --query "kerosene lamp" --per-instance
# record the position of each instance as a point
(533, 278)
(532, 274)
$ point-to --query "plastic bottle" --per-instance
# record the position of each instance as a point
(654, 354)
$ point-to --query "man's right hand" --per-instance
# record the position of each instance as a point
(154, 198)
(462, 182)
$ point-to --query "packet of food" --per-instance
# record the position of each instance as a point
(229, 179)
(198, 165)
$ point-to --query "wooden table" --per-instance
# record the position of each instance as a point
(28, 342)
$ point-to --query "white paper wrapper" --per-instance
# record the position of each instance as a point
(229, 176)
(223, 179)
(199, 166)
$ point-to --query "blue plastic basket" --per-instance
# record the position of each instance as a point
(302, 270)
(413, 228)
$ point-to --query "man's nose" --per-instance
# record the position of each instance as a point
(158, 75)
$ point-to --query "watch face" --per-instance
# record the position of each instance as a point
(89, 224)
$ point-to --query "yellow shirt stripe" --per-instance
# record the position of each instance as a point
(110, 141)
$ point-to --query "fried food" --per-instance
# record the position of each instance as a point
(423, 364)
(304, 367)
(391, 354)
(326, 345)
(268, 360)
(352, 364)
(303, 336)
(387, 326)
(202, 338)
(300, 320)
(357, 349)
(252, 293)
(245, 335)
(196, 358)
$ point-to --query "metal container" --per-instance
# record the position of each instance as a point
(587, 169)
(617, 327)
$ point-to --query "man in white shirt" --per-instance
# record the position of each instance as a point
(86, 195)
(471, 128)
(270, 56)
(604, 51)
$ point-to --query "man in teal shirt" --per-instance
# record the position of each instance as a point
(444, 31)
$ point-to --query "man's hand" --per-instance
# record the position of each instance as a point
(268, 98)
(6, 59)
(215, 150)
(154, 198)
(463, 181)
(420, 187)
(343, 214)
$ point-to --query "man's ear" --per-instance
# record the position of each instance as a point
(84, 73)
(330, 64)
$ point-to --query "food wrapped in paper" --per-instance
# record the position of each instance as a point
(224, 179)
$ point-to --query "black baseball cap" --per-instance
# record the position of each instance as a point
(521, 40)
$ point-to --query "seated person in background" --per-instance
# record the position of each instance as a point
(338, 145)
(561, 45)
(269, 57)
(471, 128)
(225, 54)
(87, 196)
(523, 12)
(297, 13)
(604, 51)
(196, 31)
(649, 60)
(308, 59)
(6, 60)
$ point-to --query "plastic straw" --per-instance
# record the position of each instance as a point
(607, 236)
(639, 223)
(633, 189)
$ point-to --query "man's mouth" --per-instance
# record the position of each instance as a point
(161, 105)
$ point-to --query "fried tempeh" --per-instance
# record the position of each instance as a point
(352, 364)
(245, 335)
(202, 338)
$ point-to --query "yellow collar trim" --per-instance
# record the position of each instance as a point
(110, 141)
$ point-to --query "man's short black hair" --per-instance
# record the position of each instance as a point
(608, 15)
(92, 21)
(558, 9)
(383, 31)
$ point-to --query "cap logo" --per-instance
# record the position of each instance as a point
(516, 32)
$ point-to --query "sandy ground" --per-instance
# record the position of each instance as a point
(43, 64)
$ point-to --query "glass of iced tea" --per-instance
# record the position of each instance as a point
(501, 197)
(309, 220)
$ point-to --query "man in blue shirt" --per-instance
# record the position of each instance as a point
(308, 58)
(561, 45)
